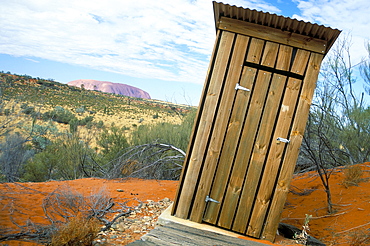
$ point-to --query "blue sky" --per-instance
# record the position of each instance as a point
(162, 47)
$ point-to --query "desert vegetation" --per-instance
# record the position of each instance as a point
(50, 131)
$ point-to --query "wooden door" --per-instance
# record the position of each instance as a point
(247, 134)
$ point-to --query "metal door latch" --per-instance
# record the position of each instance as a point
(208, 199)
(239, 87)
(284, 140)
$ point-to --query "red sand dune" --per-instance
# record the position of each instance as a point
(352, 203)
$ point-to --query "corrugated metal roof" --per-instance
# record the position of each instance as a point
(276, 21)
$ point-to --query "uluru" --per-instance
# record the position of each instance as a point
(110, 87)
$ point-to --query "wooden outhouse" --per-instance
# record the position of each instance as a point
(250, 121)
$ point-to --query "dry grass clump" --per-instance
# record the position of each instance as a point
(78, 231)
(359, 238)
(352, 176)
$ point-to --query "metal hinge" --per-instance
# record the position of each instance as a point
(208, 199)
(239, 87)
(284, 140)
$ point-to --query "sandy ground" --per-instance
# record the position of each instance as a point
(348, 223)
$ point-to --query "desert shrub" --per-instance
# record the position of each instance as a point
(78, 231)
(74, 158)
(100, 124)
(352, 175)
(85, 120)
(13, 156)
(80, 110)
(74, 219)
(40, 142)
(112, 142)
(359, 238)
(174, 134)
(65, 158)
(73, 124)
(60, 115)
(28, 110)
(41, 167)
(74, 212)
(41, 134)
(65, 203)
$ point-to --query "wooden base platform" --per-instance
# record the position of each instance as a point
(174, 231)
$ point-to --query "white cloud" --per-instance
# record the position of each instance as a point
(350, 16)
(167, 39)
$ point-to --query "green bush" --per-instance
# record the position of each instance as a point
(60, 115)
(73, 124)
(42, 167)
(112, 142)
(85, 120)
(66, 158)
(100, 124)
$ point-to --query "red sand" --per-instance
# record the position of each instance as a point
(353, 203)
(352, 207)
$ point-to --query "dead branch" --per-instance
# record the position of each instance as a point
(154, 160)
(356, 227)
(314, 218)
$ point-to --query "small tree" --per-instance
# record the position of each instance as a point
(338, 129)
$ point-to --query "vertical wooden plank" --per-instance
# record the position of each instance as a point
(255, 50)
(277, 148)
(269, 54)
(196, 120)
(300, 62)
(261, 143)
(290, 158)
(229, 149)
(195, 159)
(220, 126)
(284, 58)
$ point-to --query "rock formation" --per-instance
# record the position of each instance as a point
(110, 87)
